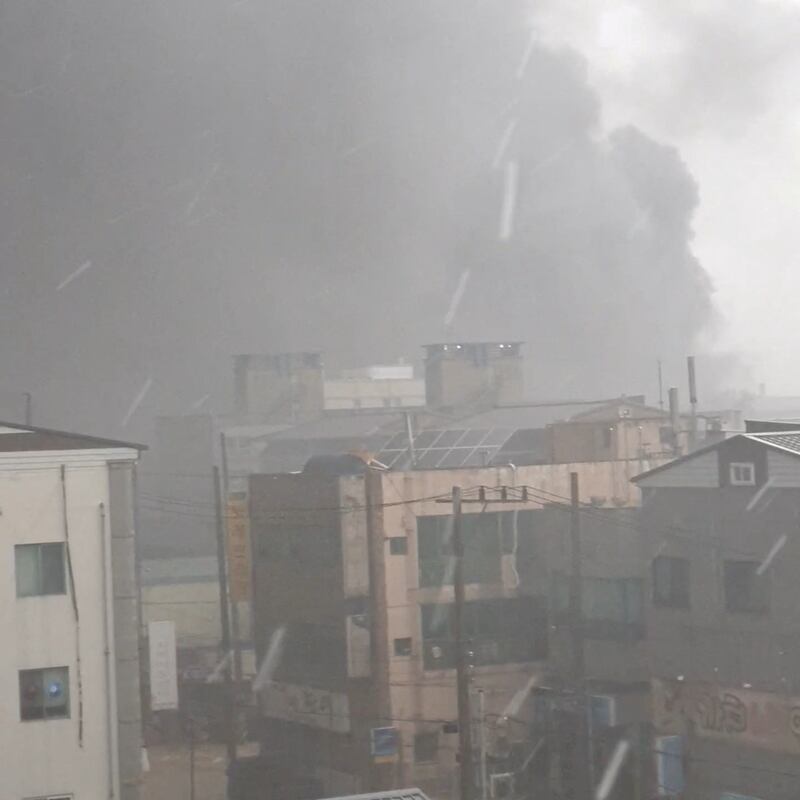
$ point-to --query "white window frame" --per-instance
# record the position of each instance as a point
(736, 466)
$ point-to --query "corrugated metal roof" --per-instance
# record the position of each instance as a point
(16, 438)
(395, 794)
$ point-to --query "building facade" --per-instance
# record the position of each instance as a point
(353, 613)
(724, 640)
(70, 711)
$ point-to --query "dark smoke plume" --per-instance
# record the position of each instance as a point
(250, 176)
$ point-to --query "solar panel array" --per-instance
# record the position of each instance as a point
(445, 449)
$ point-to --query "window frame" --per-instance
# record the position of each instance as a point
(40, 672)
(762, 598)
(40, 571)
(735, 466)
(676, 600)
(402, 651)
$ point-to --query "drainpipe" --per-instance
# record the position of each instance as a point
(107, 654)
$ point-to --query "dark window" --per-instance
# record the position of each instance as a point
(44, 693)
(312, 654)
(300, 545)
(499, 631)
(402, 647)
(613, 608)
(398, 545)
(671, 582)
(39, 569)
(745, 590)
(426, 745)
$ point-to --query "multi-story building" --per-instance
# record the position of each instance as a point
(353, 611)
(70, 718)
(723, 633)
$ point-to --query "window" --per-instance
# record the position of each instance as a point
(487, 536)
(402, 647)
(671, 582)
(44, 693)
(398, 545)
(39, 569)
(499, 631)
(742, 474)
(745, 590)
(613, 608)
(426, 746)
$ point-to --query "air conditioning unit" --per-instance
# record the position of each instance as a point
(501, 785)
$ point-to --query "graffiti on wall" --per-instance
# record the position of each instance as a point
(758, 719)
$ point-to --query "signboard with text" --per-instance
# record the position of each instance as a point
(317, 708)
(384, 745)
(238, 548)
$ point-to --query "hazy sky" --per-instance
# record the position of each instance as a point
(186, 180)
(721, 80)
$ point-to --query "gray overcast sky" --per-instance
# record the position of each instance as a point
(720, 79)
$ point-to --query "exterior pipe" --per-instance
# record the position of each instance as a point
(107, 654)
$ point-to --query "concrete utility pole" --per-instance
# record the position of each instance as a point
(582, 749)
(462, 674)
(229, 711)
(234, 605)
(465, 752)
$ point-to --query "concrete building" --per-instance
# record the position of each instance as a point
(353, 604)
(724, 639)
(473, 374)
(70, 711)
(380, 386)
(283, 387)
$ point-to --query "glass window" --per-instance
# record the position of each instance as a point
(742, 474)
(402, 647)
(745, 590)
(671, 582)
(44, 693)
(482, 536)
(613, 608)
(39, 569)
(498, 631)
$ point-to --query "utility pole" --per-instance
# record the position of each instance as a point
(228, 705)
(28, 408)
(582, 750)
(482, 729)
(467, 775)
(235, 629)
(465, 754)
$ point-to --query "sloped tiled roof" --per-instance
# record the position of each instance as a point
(788, 441)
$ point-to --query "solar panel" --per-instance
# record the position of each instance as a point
(472, 438)
(449, 438)
(425, 439)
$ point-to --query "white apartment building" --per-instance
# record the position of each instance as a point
(70, 711)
